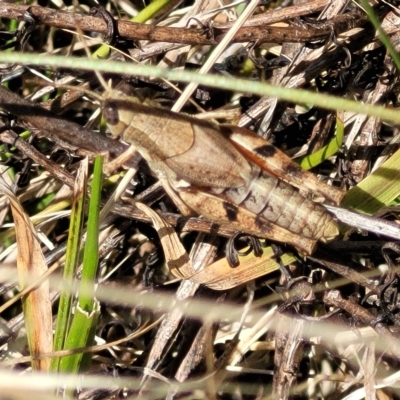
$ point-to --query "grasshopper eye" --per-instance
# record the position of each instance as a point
(111, 114)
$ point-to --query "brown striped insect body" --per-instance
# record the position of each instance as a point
(207, 169)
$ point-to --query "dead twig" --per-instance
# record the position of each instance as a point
(194, 36)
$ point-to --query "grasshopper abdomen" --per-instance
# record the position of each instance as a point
(281, 203)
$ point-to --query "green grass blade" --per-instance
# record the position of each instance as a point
(81, 334)
(84, 322)
(298, 96)
(327, 151)
(71, 262)
(377, 190)
(91, 251)
(150, 11)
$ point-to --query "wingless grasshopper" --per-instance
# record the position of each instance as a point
(225, 173)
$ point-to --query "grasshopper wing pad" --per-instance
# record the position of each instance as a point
(225, 212)
(211, 161)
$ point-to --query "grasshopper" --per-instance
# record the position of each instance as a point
(225, 173)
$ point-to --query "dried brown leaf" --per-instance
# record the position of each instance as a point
(31, 266)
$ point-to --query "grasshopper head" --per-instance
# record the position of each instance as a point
(116, 104)
(111, 114)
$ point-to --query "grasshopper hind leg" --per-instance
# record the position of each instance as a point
(227, 213)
